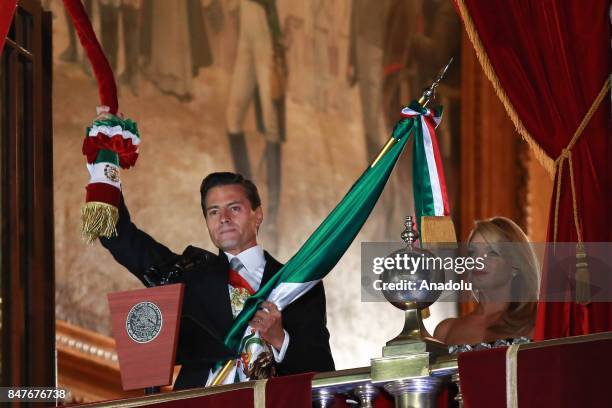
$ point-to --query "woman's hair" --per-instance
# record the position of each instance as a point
(509, 240)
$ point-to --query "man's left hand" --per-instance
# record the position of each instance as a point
(268, 321)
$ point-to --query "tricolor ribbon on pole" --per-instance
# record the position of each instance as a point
(111, 143)
(429, 184)
(323, 249)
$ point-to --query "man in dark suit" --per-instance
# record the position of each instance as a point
(217, 285)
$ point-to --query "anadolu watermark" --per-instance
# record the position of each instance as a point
(499, 271)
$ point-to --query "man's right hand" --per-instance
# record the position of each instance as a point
(269, 322)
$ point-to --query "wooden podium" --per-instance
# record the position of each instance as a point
(146, 327)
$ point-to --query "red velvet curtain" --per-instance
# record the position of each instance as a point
(7, 10)
(551, 59)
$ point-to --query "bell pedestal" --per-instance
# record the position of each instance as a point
(405, 364)
(409, 354)
(405, 368)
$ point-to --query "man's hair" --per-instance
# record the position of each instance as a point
(226, 179)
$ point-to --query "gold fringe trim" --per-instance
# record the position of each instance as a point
(437, 230)
(98, 220)
(540, 154)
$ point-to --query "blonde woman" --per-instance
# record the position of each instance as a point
(506, 288)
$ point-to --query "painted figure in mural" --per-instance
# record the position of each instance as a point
(437, 39)
(70, 54)
(380, 34)
(367, 35)
(217, 285)
(321, 13)
(404, 22)
(396, 48)
(380, 38)
(260, 75)
(505, 289)
(175, 45)
(111, 13)
(128, 12)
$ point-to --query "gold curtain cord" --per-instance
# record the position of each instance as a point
(566, 154)
(546, 161)
(583, 292)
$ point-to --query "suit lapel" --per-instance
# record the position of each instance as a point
(272, 266)
(225, 307)
(213, 294)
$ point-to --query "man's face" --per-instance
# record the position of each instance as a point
(232, 223)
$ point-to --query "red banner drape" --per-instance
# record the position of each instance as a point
(548, 60)
(107, 87)
(7, 11)
(563, 375)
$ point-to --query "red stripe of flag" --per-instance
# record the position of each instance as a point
(434, 141)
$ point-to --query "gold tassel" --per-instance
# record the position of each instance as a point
(583, 282)
(437, 230)
(98, 220)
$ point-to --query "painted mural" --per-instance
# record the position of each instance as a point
(302, 115)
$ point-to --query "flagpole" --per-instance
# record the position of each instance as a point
(428, 95)
(222, 374)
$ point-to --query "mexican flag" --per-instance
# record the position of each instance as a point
(320, 253)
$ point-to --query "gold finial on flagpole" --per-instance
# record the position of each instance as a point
(428, 94)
